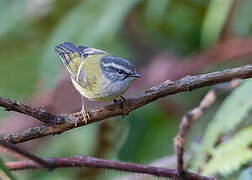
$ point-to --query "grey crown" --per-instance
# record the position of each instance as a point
(116, 68)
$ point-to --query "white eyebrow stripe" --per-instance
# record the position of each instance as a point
(117, 67)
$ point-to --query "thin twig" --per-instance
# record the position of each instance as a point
(87, 161)
(193, 115)
(39, 161)
(67, 122)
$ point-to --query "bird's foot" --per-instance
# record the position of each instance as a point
(124, 103)
(85, 116)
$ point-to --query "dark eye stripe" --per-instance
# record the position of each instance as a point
(120, 71)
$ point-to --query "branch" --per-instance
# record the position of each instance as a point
(193, 115)
(91, 162)
(66, 122)
(12, 147)
(39, 114)
(165, 161)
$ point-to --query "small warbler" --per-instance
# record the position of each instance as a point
(96, 74)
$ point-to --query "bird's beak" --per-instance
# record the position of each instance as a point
(136, 75)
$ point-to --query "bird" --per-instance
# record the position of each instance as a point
(96, 74)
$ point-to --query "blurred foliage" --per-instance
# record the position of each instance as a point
(149, 128)
(31, 28)
(246, 174)
(214, 21)
(233, 110)
(242, 26)
(4, 172)
(98, 27)
(232, 154)
(173, 25)
(230, 114)
(11, 13)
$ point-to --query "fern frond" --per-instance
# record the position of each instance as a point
(230, 114)
(231, 155)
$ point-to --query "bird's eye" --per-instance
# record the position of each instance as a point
(120, 71)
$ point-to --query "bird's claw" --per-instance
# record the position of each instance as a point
(124, 103)
(85, 117)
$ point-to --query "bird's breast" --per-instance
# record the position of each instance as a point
(105, 90)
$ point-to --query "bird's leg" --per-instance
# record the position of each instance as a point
(84, 112)
(124, 103)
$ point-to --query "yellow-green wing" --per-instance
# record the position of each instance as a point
(81, 62)
(71, 56)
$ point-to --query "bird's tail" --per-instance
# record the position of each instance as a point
(70, 56)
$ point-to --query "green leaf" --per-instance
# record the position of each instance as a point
(4, 172)
(90, 23)
(230, 114)
(214, 21)
(231, 155)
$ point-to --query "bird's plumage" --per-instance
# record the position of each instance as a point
(72, 56)
(95, 73)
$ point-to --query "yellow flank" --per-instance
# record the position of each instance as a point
(92, 71)
(93, 77)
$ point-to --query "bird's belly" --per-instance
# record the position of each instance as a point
(106, 92)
